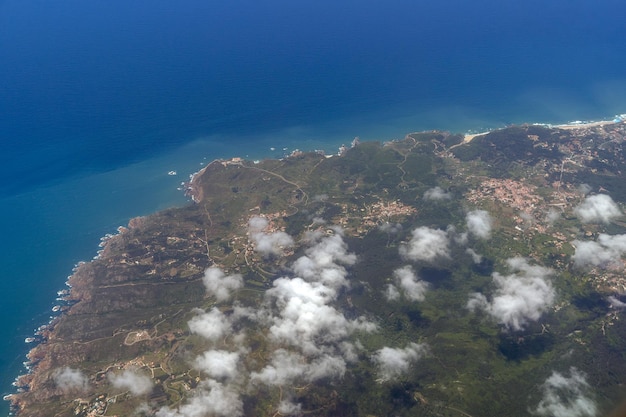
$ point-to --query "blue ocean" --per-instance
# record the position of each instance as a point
(101, 102)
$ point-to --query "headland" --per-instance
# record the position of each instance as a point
(366, 283)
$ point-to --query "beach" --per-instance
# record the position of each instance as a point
(568, 126)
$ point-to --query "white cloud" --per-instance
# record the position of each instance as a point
(299, 314)
(211, 325)
(131, 380)
(69, 380)
(392, 293)
(458, 238)
(427, 245)
(393, 362)
(597, 208)
(552, 216)
(479, 223)
(287, 367)
(257, 224)
(211, 398)
(267, 243)
(218, 364)
(288, 408)
(326, 366)
(304, 319)
(330, 249)
(566, 397)
(308, 335)
(607, 251)
(413, 288)
(349, 350)
(391, 228)
(315, 221)
(272, 243)
(286, 289)
(283, 368)
(520, 297)
(437, 194)
(476, 257)
(219, 284)
(323, 262)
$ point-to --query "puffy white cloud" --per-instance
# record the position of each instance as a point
(219, 284)
(272, 243)
(309, 336)
(427, 245)
(326, 366)
(218, 364)
(288, 408)
(566, 396)
(70, 380)
(412, 287)
(552, 216)
(287, 367)
(479, 223)
(391, 228)
(131, 380)
(315, 221)
(329, 250)
(437, 194)
(299, 314)
(349, 350)
(393, 362)
(323, 262)
(606, 251)
(286, 289)
(304, 319)
(391, 292)
(597, 208)
(211, 398)
(615, 243)
(476, 257)
(257, 224)
(458, 238)
(520, 297)
(267, 243)
(211, 325)
(283, 368)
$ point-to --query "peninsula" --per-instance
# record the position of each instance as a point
(428, 276)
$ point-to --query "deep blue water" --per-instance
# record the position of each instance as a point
(100, 99)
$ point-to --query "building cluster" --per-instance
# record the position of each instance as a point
(515, 194)
(369, 216)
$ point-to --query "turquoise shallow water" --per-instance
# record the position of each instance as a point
(100, 101)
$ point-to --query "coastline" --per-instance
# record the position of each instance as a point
(75, 293)
(573, 125)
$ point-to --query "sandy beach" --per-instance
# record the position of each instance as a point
(583, 125)
(568, 126)
(468, 138)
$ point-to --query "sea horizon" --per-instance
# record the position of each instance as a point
(158, 183)
(102, 104)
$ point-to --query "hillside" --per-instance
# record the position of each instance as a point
(425, 277)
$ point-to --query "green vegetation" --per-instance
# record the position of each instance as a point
(134, 303)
